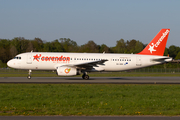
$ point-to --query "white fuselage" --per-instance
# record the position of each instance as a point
(115, 62)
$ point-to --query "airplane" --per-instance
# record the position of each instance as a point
(71, 64)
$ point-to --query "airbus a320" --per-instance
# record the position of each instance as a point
(71, 64)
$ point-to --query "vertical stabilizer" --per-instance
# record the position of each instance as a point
(157, 45)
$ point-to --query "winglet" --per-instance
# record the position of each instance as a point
(157, 45)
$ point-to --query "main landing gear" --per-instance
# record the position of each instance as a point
(29, 76)
(85, 76)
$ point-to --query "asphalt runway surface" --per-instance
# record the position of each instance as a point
(92, 80)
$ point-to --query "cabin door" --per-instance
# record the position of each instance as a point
(138, 61)
(29, 58)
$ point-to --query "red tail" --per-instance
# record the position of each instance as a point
(157, 45)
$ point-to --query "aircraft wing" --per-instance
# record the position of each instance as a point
(87, 65)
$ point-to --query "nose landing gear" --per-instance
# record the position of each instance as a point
(29, 76)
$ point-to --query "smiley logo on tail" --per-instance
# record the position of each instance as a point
(151, 48)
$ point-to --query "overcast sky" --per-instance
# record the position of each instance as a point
(103, 21)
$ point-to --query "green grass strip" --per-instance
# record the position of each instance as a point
(89, 99)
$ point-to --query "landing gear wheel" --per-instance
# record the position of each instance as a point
(83, 76)
(29, 77)
(86, 77)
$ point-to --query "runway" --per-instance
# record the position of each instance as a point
(92, 80)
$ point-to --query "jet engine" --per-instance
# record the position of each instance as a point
(67, 71)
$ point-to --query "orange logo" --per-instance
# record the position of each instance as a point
(37, 57)
(67, 70)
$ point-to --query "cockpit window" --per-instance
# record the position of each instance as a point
(17, 57)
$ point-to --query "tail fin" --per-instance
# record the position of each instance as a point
(157, 45)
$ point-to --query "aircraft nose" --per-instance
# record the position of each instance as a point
(9, 63)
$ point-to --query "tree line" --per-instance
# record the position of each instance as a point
(17, 45)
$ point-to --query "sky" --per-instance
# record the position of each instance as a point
(103, 21)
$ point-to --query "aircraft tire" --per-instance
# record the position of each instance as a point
(86, 77)
(29, 77)
(83, 76)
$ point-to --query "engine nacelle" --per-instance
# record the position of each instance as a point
(67, 71)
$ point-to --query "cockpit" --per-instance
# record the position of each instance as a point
(17, 57)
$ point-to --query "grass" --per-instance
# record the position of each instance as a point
(87, 99)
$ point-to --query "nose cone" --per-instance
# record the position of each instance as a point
(10, 63)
